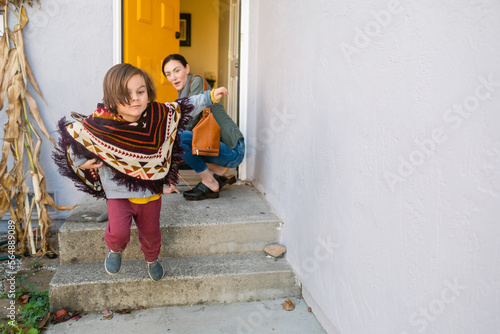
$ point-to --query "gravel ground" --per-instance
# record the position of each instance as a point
(22, 264)
(5, 270)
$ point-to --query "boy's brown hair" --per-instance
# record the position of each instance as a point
(115, 85)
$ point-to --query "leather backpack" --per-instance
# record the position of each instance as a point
(206, 133)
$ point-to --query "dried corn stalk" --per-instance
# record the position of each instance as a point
(21, 139)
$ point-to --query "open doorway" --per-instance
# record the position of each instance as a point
(146, 31)
(213, 51)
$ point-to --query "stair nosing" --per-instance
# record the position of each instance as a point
(94, 226)
(281, 266)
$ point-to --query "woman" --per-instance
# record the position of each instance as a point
(232, 146)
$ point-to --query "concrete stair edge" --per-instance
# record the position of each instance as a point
(237, 203)
(238, 222)
(195, 280)
(87, 245)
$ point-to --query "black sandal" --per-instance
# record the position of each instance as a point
(222, 180)
(201, 191)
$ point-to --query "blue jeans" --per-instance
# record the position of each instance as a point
(229, 158)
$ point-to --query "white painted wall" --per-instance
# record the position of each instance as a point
(69, 47)
(374, 157)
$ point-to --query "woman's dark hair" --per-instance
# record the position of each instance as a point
(174, 56)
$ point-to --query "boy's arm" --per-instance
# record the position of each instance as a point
(200, 102)
(206, 100)
(91, 164)
(84, 163)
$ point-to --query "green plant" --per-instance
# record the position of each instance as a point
(30, 288)
(13, 326)
(35, 309)
(36, 265)
(20, 281)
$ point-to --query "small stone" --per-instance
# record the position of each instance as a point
(275, 250)
(309, 309)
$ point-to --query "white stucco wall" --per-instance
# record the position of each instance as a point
(373, 129)
(69, 47)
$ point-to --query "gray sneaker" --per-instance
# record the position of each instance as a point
(103, 217)
(155, 270)
(113, 263)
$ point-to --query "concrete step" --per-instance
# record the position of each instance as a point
(191, 280)
(190, 178)
(239, 221)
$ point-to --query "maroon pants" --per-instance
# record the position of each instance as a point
(147, 220)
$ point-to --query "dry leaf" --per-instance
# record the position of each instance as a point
(32, 80)
(107, 314)
(289, 305)
(61, 316)
(24, 299)
(43, 322)
(18, 41)
(33, 108)
(24, 18)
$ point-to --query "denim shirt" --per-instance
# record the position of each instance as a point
(114, 190)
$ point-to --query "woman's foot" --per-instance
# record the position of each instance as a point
(207, 188)
(222, 180)
(209, 181)
(201, 191)
(217, 170)
(219, 175)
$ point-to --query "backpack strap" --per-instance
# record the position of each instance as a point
(205, 85)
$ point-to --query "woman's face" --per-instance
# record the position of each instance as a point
(176, 73)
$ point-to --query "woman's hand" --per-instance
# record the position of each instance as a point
(171, 189)
(91, 164)
(218, 92)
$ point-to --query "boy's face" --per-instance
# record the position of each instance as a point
(138, 100)
(176, 73)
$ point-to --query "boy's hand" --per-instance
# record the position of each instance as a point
(219, 91)
(91, 164)
(171, 189)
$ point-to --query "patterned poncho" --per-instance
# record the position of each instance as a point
(142, 155)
